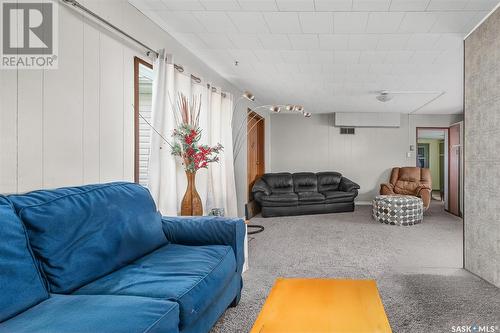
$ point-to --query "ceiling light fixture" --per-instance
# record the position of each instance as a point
(249, 96)
(307, 114)
(275, 109)
(290, 107)
(384, 96)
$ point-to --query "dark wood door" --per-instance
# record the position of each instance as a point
(255, 150)
(454, 171)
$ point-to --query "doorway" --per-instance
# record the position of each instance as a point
(430, 154)
(255, 150)
(439, 149)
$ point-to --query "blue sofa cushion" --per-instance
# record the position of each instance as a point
(82, 233)
(193, 276)
(21, 285)
(85, 314)
(208, 230)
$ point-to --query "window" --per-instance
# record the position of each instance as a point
(143, 98)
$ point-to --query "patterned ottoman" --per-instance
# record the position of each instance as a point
(398, 209)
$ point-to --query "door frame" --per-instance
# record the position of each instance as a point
(137, 62)
(251, 116)
(460, 166)
(447, 161)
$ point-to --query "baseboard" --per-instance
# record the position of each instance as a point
(362, 203)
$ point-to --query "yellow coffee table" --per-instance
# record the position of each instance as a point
(322, 306)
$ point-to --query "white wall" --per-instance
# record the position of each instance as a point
(74, 125)
(314, 144)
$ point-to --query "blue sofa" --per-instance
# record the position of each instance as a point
(100, 258)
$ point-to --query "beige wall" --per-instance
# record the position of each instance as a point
(482, 141)
(314, 144)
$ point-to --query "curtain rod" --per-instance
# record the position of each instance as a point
(149, 50)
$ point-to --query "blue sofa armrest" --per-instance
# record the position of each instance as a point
(207, 230)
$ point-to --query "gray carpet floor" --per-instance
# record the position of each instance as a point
(417, 268)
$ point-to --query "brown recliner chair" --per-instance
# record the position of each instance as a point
(410, 181)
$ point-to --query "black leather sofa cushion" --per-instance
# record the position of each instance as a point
(338, 196)
(306, 198)
(279, 182)
(305, 182)
(279, 200)
(328, 181)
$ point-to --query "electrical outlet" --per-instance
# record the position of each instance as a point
(408, 154)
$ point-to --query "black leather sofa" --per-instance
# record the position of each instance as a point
(304, 193)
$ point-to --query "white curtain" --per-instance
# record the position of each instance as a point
(167, 182)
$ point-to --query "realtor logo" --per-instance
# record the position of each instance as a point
(29, 34)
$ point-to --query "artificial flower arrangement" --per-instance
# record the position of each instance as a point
(194, 155)
(187, 135)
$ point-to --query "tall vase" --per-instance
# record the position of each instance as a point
(191, 203)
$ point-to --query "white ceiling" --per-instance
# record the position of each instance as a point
(330, 55)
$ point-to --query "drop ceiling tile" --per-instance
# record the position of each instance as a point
(372, 57)
(486, 5)
(190, 40)
(180, 21)
(304, 42)
(424, 57)
(321, 57)
(334, 42)
(345, 22)
(446, 5)
(333, 5)
(381, 69)
(393, 41)
(379, 22)
(474, 18)
(422, 41)
(153, 5)
(363, 41)
(216, 41)
(408, 5)
(183, 5)
(283, 22)
(418, 22)
(316, 22)
(295, 56)
(258, 5)
(334, 68)
(243, 57)
(275, 41)
(295, 5)
(398, 57)
(346, 57)
(286, 68)
(269, 56)
(452, 22)
(215, 21)
(220, 4)
(248, 22)
(371, 5)
(245, 41)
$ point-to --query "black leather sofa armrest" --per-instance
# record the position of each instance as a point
(348, 185)
(261, 186)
